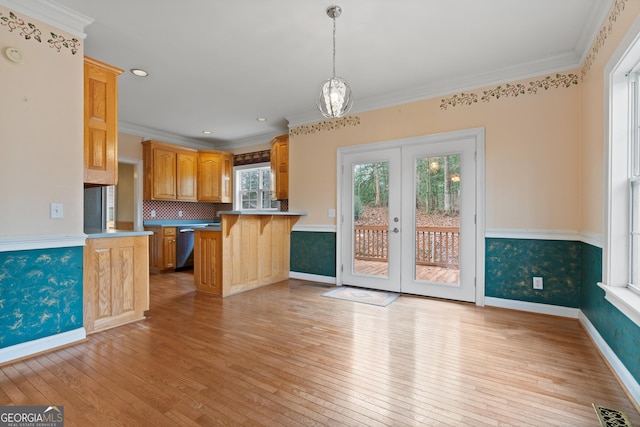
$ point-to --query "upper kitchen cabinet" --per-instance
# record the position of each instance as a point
(170, 172)
(100, 123)
(280, 167)
(215, 169)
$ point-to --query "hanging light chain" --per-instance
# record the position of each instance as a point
(334, 46)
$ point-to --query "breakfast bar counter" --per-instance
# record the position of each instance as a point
(250, 249)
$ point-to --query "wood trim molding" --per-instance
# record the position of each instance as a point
(31, 348)
(24, 243)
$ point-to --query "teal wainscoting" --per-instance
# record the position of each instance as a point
(511, 265)
(40, 293)
(620, 333)
(313, 253)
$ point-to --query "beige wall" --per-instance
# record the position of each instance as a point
(129, 146)
(41, 135)
(592, 134)
(532, 163)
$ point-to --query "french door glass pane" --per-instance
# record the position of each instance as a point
(437, 219)
(371, 219)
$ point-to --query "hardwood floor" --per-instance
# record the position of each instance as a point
(285, 355)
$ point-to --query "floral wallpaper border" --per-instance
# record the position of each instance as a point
(326, 125)
(605, 31)
(559, 80)
(29, 31)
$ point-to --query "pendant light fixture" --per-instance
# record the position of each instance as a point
(335, 96)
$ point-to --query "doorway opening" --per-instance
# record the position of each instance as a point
(412, 216)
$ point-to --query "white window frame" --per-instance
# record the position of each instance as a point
(237, 170)
(620, 129)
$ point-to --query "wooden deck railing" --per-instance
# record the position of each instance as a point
(437, 246)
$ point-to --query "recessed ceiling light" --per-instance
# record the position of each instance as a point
(207, 132)
(261, 119)
(138, 72)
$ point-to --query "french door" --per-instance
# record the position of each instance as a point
(408, 217)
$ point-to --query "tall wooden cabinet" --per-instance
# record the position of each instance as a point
(215, 170)
(170, 172)
(100, 122)
(280, 167)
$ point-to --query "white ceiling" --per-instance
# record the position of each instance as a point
(218, 65)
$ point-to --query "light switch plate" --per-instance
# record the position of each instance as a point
(57, 211)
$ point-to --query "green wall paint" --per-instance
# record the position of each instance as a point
(620, 333)
(511, 265)
(40, 293)
(313, 253)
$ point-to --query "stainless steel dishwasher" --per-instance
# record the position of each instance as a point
(184, 246)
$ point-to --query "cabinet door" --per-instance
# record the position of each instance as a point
(100, 123)
(280, 167)
(169, 248)
(116, 281)
(226, 180)
(208, 261)
(209, 170)
(186, 179)
(164, 174)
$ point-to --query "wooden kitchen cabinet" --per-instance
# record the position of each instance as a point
(100, 123)
(170, 172)
(162, 248)
(215, 170)
(280, 167)
(116, 281)
(208, 259)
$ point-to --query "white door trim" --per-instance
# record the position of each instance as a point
(479, 135)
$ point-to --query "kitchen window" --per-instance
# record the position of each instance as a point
(252, 187)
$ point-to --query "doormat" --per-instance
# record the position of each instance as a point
(365, 296)
(611, 417)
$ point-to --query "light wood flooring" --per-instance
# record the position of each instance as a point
(285, 355)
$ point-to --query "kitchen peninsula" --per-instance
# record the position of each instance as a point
(249, 249)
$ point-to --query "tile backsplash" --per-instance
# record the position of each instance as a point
(190, 210)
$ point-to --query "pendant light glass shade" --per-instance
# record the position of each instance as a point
(335, 98)
(335, 95)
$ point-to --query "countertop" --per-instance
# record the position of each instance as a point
(261, 213)
(97, 233)
(178, 222)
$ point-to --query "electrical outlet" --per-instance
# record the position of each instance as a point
(180, 214)
(537, 283)
(56, 211)
(153, 213)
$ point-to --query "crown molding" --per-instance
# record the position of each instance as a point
(172, 138)
(51, 13)
(562, 62)
(591, 30)
(149, 133)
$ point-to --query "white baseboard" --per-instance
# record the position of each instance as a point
(30, 348)
(312, 277)
(534, 307)
(630, 383)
